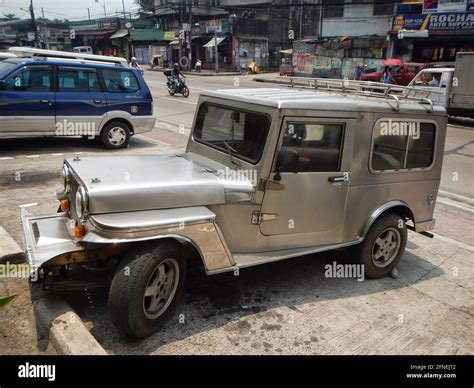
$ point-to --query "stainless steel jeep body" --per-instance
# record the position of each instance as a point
(268, 174)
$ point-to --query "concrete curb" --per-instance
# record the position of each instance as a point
(221, 74)
(67, 333)
(10, 251)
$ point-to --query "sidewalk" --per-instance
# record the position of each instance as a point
(202, 73)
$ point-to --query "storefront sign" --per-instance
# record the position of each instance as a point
(436, 22)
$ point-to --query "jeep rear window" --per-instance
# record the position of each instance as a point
(403, 145)
(244, 132)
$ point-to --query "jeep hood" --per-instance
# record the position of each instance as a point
(143, 182)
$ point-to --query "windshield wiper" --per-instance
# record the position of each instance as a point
(232, 151)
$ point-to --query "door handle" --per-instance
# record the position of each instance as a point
(97, 101)
(339, 178)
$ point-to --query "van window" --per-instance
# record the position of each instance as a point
(77, 80)
(120, 81)
(318, 146)
(30, 79)
(402, 145)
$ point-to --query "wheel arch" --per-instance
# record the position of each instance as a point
(118, 120)
(398, 207)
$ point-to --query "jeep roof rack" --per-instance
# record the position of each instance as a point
(31, 52)
(392, 93)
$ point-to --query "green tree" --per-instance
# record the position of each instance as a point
(9, 16)
(146, 5)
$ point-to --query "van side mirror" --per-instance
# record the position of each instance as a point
(3, 84)
(287, 162)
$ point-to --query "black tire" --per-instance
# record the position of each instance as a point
(115, 135)
(185, 91)
(127, 302)
(370, 248)
(170, 92)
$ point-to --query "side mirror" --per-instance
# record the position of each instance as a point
(287, 162)
(3, 84)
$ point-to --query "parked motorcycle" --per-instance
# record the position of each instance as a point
(176, 84)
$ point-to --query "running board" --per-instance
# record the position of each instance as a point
(243, 260)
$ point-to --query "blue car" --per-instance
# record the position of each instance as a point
(58, 97)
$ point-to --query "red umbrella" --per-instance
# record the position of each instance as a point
(393, 62)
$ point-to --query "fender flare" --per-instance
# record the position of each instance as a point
(383, 209)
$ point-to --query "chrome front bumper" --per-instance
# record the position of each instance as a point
(46, 237)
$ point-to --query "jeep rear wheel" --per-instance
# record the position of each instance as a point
(383, 246)
(115, 135)
(146, 288)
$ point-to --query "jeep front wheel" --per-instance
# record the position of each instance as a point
(146, 289)
(383, 246)
(115, 135)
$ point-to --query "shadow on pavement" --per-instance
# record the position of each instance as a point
(215, 301)
(45, 145)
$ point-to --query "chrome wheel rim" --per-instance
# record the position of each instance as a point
(117, 136)
(386, 247)
(161, 288)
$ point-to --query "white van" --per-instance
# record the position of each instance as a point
(83, 49)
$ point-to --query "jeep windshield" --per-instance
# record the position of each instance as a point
(242, 132)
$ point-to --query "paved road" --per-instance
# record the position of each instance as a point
(29, 169)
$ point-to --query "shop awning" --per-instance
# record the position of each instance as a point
(174, 42)
(287, 51)
(146, 34)
(120, 34)
(212, 42)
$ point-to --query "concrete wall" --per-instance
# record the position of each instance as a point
(358, 20)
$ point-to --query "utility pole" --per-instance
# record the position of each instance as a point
(42, 12)
(301, 19)
(190, 55)
(89, 13)
(123, 6)
(217, 52)
(33, 22)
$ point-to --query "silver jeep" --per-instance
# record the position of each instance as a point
(268, 174)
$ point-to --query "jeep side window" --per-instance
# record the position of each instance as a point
(318, 146)
(30, 79)
(120, 81)
(401, 145)
(245, 132)
(77, 80)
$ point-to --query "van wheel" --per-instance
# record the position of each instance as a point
(115, 135)
(146, 288)
(383, 246)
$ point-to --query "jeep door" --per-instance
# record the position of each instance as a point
(81, 106)
(307, 188)
(27, 101)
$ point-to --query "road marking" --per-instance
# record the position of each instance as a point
(28, 204)
(59, 154)
(32, 156)
(175, 100)
(459, 197)
(7, 158)
(448, 202)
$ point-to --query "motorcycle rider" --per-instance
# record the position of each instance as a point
(175, 74)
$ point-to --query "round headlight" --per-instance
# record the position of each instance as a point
(81, 202)
(65, 177)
